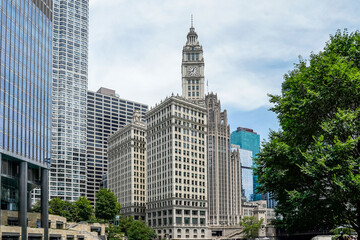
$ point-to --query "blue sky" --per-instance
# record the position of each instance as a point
(135, 48)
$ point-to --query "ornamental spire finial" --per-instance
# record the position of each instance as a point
(192, 21)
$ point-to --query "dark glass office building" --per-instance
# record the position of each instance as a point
(25, 105)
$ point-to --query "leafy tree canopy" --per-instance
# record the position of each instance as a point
(56, 206)
(125, 224)
(251, 226)
(139, 231)
(106, 206)
(80, 210)
(312, 165)
(36, 207)
(84, 210)
(114, 232)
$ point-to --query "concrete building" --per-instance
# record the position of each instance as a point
(246, 172)
(69, 88)
(127, 167)
(177, 205)
(236, 194)
(58, 228)
(25, 110)
(106, 114)
(224, 175)
(259, 210)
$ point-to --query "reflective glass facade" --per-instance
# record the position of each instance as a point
(246, 172)
(25, 104)
(248, 139)
(26, 33)
(70, 70)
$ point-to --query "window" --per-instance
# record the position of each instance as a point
(178, 220)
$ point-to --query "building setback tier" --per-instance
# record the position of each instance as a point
(177, 204)
(106, 114)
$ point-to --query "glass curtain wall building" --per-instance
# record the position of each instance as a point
(249, 140)
(25, 106)
(70, 71)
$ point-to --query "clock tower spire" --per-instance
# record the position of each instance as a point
(192, 67)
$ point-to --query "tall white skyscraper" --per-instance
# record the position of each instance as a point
(127, 167)
(177, 199)
(176, 169)
(69, 89)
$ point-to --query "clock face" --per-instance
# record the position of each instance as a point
(193, 71)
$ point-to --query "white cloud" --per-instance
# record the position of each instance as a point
(135, 46)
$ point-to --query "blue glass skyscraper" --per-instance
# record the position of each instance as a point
(25, 104)
(249, 140)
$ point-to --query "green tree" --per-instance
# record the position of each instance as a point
(36, 207)
(56, 206)
(139, 231)
(84, 210)
(251, 226)
(106, 206)
(114, 232)
(69, 211)
(312, 165)
(125, 224)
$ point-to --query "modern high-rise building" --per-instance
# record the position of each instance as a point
(25, 109)
(177, 205)
(69, 89)
(247, 139)
(106, 114)
(127, 167)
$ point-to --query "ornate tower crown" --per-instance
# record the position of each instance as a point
(192, 37)
(192, 67)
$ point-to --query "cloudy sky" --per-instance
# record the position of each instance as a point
(135, 47)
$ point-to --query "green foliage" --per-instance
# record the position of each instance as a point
(69, 211)
(36, 207)
(80, 210)
(312, 165)
(114, 232)
(125, 224)
(84, 210)
(106, 206)
(56, 206)
(251, 226)
(139, 231)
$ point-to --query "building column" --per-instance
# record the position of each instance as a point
(45, 202)
(23, 177)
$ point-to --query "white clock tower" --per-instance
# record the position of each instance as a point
(192, 68)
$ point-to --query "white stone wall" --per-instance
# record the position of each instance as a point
(177, 169)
